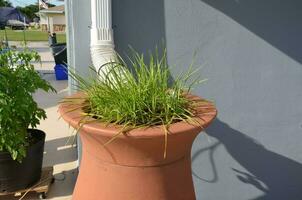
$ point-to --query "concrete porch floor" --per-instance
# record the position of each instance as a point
(59, 150)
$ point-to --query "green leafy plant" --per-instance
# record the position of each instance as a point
(18, 109)
(138, 94)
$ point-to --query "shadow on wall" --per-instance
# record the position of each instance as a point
(139, 23)
(278, 177)
(275, 21)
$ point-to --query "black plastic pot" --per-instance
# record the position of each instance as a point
(59, 52)
(16, 176)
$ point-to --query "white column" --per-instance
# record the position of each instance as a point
(50, 22)
(102, 43)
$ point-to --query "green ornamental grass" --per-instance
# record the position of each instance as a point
(138, 94)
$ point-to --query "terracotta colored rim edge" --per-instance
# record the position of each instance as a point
(206, 113)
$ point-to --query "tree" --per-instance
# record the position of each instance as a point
(5, 3)
(31, 10)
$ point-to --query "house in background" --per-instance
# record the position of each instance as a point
(53, 19)
(8, 14)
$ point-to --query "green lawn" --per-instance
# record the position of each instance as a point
(30, 35)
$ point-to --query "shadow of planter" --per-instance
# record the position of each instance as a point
(277, 176)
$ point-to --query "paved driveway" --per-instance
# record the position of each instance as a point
(44, 51)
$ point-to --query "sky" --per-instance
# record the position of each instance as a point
(28, 2)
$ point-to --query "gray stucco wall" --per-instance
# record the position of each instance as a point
(78, 23)
(139, 24)
(251, 52)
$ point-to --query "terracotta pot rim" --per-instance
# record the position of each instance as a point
(206, 113)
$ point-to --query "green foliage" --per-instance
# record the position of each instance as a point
(30, 10)
(5, 3)
(138, 95)
(18, 110)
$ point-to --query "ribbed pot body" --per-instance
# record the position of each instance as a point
(134, 168)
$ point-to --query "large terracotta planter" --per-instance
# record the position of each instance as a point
(132, 167)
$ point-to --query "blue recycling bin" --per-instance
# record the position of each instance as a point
(61, 72)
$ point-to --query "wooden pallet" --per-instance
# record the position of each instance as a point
(41, 187)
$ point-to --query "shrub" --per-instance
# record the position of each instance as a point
(18, 110)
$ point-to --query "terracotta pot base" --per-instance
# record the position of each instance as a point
(114, 182)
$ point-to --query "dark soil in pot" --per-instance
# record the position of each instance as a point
(16, 176)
